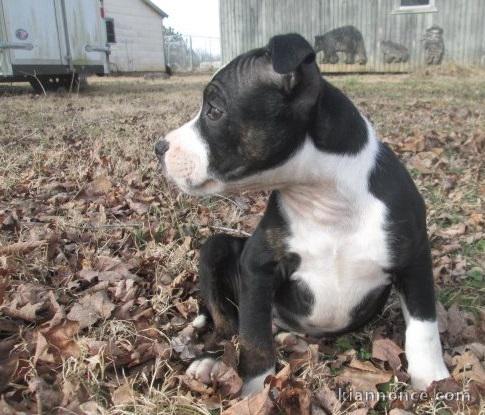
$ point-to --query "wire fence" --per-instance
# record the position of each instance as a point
(192, 53)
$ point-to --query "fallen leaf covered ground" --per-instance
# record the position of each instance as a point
(98, 257)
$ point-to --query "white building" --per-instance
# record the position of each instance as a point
(134, 32)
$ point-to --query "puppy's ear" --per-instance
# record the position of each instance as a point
(289, 51)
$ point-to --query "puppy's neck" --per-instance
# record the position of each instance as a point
(327, 187)
(322, 204)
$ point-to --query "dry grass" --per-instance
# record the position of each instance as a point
(78, 172)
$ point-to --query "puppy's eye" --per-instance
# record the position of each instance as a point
(214, 113)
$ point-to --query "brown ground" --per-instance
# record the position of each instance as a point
(98, 255)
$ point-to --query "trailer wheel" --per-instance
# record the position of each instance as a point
(52, 83)
(46, 83)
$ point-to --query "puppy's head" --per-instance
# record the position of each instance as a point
(254, 116)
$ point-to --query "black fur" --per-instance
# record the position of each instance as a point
(288, 52)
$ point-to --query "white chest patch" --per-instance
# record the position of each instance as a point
(337, 227)
(343, 254)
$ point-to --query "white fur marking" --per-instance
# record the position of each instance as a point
(337, 227)
(256, 383)
(200, 321)
(187, 160)
(423, 351)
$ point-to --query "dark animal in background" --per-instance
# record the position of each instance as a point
(394, 52)
(346, 39)
(434, 45)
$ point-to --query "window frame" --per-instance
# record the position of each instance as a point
(428, 8)
(112, 21)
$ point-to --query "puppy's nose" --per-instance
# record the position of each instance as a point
(161, 147)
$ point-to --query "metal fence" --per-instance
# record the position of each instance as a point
(192, 53)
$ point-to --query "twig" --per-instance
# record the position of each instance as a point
(230, 200)
(40, 83)
(71, 84)
(21, 247)
(229, 230)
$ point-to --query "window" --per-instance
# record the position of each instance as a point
(410, 3)
(110, 30)
(414, 6)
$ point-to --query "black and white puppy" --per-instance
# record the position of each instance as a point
(344, 221)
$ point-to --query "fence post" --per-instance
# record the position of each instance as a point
(190, 55)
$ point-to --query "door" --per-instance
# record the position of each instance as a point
(5, 66)
(31, 30)
(86, 32)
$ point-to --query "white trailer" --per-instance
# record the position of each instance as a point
(52, 43)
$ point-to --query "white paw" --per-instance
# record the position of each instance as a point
(255, 384)
(200, 321)
(422, 376)
(424, 354)
(203, 370)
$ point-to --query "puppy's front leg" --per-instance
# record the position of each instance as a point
(257, 353)
(423, 347)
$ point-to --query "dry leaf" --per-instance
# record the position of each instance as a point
(61, 337)
(456, 324)
(183, 345)
(362, 381)
(28, 301)
(227, 381)
(123, 395)
(257, 404)
(92, 408)
(423, 162)
(27, 312)
(47, 395)
(291, 342)
(360, 411)
(188, 307)
(91, 308)
(21, 247)
(3, 288)
(196, 386)
(388, 351)
(8, 367)
(41, 353)
(444, 386)
(98, 187)
(327, 398)
(295, 401)
(468, 367)
(137, 207)
(5, 408)
(363, 365)
(452, 231)
(442, 317)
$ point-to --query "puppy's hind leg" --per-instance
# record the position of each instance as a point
(218, 283)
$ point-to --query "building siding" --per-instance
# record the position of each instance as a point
(139, 37)
(247, 24)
